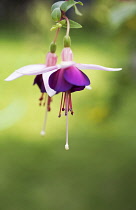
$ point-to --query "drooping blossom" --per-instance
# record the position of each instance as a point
(60, 78)
(66, 78)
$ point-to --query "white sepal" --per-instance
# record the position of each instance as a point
(35, 69)
(96, 67)
(49, 90)
(13, 76)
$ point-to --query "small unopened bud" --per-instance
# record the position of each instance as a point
(53, 28)
(53, 47)
(67, 41)
(59, 25)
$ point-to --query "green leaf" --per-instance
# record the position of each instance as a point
(57, 5)
(56, 14)
(68, 4)
(73, 24)
(77, 11)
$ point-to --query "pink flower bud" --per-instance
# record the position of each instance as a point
(67, 54)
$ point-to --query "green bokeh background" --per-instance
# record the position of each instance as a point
(98, 172)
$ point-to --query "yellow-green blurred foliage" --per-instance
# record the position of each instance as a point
(98, 172)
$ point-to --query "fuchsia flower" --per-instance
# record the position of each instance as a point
(66, 78)
(60, 78)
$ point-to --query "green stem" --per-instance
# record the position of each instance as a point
(68, 25)
(56, 35)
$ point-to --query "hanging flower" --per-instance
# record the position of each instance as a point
(59, 78)
(66, 78)
(51, 60)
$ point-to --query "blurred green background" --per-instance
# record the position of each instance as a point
(98, 172)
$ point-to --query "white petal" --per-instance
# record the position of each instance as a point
(30, 70)
(88, 87)
(96, 67)
(45, 77)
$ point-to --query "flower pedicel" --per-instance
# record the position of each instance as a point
(66, 77)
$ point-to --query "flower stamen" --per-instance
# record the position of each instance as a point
(70, 104)
(45, 100)
(48, 103)
(41, 99)
(61, 105)
(66, 98)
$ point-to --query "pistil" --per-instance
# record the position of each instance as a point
(47, 109)
(66, 105)
(66, 113)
